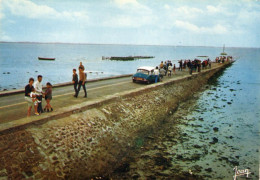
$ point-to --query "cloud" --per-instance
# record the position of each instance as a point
(212, 9)
(189, 11)
(216, 29)
(132, 14)
(166, 6)
(32, 10)
(128, 21)
(130, 4)
(1, 10)
(4, 37)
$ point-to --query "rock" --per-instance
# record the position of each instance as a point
(208, 169)
(196, 146)
(229, 102)
(201, 119)
(151, 177)
(8, 72)
(29, 173)
(179, 157)
(135, 176)
(215, 140)
(215, 129)
(232, 90)
(160, 160)
(234, 163)
(195, 157)
(196, 168)
(123, 168)
(145, 157)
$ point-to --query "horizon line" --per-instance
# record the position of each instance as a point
(35, 42)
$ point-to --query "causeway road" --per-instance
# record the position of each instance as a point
(13, 107)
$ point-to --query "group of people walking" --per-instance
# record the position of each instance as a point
(81, 81)
(34, 94)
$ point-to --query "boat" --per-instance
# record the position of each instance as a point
(126, 58)
(223, 53)
(46, 59)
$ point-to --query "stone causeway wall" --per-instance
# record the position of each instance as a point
(92, 142)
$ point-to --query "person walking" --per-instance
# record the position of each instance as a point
(75, 81)
(38, 88)
(82, 80)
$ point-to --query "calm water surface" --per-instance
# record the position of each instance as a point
(19, 61)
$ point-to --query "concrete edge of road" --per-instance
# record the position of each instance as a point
(12, 92)
(77, 108)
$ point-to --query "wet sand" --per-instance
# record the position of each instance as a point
(203, 139)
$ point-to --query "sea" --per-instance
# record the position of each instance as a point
(230, 105)
(19, 61)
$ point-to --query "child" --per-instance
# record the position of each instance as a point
(169, 70)
(33, 95)
(48, 97)
(174, 68)
(75, 81)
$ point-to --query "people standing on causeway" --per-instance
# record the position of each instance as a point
(48, 97)
(174, 68)
(156, 73)
(81, 66)
(33, 95)
(180, 66)
(75, 81)
(82, 80)
(38, 88)
(28, 89)
(169, 70)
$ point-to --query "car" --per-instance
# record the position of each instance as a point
(144, 74)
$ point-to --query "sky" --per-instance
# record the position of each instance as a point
(235, 23)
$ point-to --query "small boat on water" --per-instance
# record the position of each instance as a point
(46, 59)
(223, 53)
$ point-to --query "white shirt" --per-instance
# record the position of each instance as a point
(169, 68)
(156, 72)
(38, 87)
(32, 94)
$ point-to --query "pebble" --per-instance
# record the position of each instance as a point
(215, 140)
(215, 129)
(208, 169)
